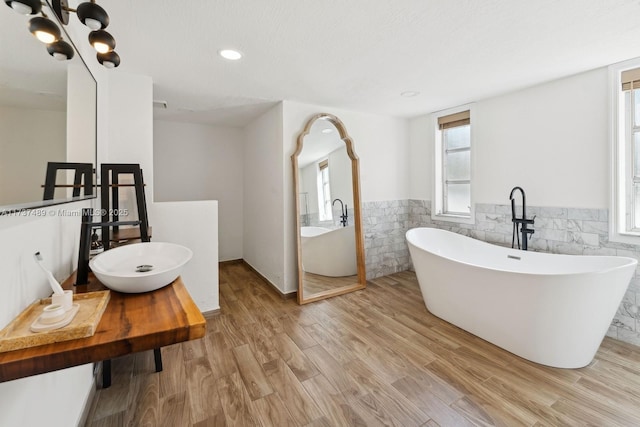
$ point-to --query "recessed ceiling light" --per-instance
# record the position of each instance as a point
(230, 54)
(410, 94)
(326, 130)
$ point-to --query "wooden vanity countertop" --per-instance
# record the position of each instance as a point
(130, 323)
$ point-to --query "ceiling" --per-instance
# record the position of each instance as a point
(360, 54)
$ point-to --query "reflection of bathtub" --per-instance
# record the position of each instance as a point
(329, 252)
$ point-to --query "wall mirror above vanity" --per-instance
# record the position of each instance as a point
(328, 218)
(47, 114)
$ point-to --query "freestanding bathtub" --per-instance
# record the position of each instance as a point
(550, 309)
(329, 252)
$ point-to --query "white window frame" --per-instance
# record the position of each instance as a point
(324, 211)
(621, 158)
(437, 202)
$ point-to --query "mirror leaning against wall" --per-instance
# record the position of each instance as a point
(328, 218)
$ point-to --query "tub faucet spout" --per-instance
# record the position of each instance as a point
(343, 211)
(523, 220)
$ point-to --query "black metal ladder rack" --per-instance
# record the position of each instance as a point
(110, 204)
(110, 179)
(82, 170)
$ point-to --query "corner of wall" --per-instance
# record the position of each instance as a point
(263, 197)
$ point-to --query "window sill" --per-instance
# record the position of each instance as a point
(464, 219)
(628, 238)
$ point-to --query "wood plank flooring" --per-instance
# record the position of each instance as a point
(315, 283)
(372, 357)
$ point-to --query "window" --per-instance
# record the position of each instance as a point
(625, 126)
(453, 166)
(324, 191)
(631, 117)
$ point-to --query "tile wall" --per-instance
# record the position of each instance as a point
(385, 224)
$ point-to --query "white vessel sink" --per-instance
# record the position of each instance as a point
(140, 267)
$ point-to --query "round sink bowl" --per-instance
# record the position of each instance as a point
(140, 267)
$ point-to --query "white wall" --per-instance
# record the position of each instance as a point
(125, 131)
(202, 162)
(421, 152)
(197, 223)
(550, 139)
(24, 153)
(555, 146)
(130, 130)
(263, 187)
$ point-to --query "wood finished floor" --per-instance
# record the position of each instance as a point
(372, 357)
(315, 283)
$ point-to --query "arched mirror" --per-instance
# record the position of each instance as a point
(328, 219)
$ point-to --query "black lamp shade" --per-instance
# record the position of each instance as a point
(35, 6)
(61, 50)
(45, 30)
(109, 59)
(90, 14)
(102, 41)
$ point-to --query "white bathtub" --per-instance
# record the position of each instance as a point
(329, 252)
(547, 308)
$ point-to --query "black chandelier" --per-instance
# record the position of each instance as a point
(45, 30)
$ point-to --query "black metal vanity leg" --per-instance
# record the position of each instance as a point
(106, 373)
(157, 355)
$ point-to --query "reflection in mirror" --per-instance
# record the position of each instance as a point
(47, 114)
(330, 244)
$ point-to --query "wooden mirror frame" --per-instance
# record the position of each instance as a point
(357, 214)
